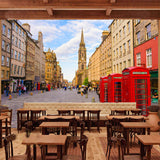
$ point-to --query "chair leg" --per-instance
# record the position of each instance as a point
(109, 151)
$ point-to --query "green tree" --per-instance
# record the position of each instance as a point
(85, 82)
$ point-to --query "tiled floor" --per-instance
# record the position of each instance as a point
(96, 146)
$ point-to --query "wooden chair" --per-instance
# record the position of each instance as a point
(116, 126)
(93, 119)
(121, 151)
(83, 146)
(110, 139)
(79, 113)
(76, 138)
(22, 118)
(35, 115)
(9, 149)
(64, 112)
(134, 131)
(6, 112)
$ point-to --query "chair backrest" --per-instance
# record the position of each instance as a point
(136, 119)
(81, 114)
(136, 112)
(35, 115)
(120, 112)
(93, 115)
(23, 115)
(109, 131)
(64, 113)
(7, 112)
(83, 146)
(82, 126)
(9, 145)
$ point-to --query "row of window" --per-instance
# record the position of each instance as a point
(6, 31)
(18, 43)
(17, 55)
(17, 70)
(18, 30)
(116, 52)
(5, 46)
(148, 34)
(5, 62)
(119, 67)
(148, 58)
(122, 33)
(3, 74)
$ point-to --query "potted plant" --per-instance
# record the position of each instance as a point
(154, 116)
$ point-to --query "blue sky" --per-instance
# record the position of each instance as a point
(63, 36)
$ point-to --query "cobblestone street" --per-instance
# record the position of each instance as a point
(58, 95)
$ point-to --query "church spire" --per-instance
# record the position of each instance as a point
(82, 38)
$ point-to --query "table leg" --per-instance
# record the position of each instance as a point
(0, 133)
(59, 152)
(142, 150)
(148, 131)
(148, 149)
(34, 152)
(126, 135)
(6, 127)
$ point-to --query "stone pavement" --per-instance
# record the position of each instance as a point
(59, 95)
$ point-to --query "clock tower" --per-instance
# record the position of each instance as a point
(82, 54)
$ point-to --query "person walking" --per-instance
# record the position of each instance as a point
(7, 91)
(19, 90)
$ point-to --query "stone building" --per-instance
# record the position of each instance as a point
(82, 72)
(18, 55)
(30, 59)
(59, 76)
(5, 52)
(51, 68)
(103, 54)
(146, 48)
(94, 67)
(122, 44)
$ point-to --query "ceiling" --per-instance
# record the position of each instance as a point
(79, 9)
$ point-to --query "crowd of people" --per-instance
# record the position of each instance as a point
(20, 90)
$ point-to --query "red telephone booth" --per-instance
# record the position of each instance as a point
(136, 87)
(114, 87)
(104, 89)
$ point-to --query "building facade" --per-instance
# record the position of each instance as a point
(51, 68)
(5, 53)
(146, 48)
(18, 56)
(94, 67)
(30, 59)
(122, 44)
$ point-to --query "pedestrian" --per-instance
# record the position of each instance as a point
(7, 91)
(19, 90)
(24, 88)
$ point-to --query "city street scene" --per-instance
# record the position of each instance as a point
(80, 80)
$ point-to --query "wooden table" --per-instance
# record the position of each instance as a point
(38, 139)
(120, 117)
(131, 125)
(1, 119)
(61, 125)
(127, 110)
(147, 141)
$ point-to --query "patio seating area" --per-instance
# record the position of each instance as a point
(76, 134)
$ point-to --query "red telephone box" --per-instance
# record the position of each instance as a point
(114, 87)
(136, 87)
(104, 89)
